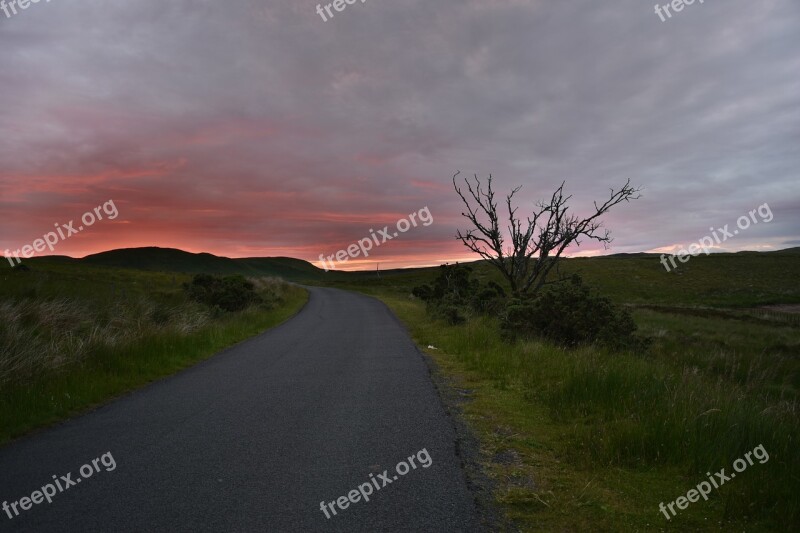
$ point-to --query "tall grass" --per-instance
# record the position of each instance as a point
(639, 414)
(66, 345)
(37, 336)
(643, 413)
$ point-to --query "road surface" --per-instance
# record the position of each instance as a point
(255, 438)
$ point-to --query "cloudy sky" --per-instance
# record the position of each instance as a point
(255, 128)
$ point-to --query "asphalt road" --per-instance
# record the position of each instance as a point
(256, 437)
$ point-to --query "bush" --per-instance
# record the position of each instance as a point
(454, 293)
(570, 313)
(491, 299)
(453, 284)
(229, 293)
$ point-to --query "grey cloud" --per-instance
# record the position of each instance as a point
(703, 110)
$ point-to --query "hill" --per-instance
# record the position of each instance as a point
(742, 279)
(156, 259)
(173, 260)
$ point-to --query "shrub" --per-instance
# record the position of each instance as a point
(570, 313)
(454, 293)
(491, 299)
(423, 292)
(229, 293)
(452, 284)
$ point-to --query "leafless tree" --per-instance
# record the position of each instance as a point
(536, 246)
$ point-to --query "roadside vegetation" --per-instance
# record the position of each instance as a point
(583, 436)
(586, 437)
(73, 335)
(602, 388)
(611, 391)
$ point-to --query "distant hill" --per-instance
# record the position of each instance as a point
(172, 260)
(155, 259)
(785, 251)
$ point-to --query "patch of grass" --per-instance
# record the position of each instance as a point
(594, 440)
(75, 336)
(761, 357)
(740, 280)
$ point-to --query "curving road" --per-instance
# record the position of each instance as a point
(256, 437)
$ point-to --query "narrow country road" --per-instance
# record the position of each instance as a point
(256, 437)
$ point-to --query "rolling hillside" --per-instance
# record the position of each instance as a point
(172, 260)
(743, 279)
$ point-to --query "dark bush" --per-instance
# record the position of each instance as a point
(452, 314)
(570, 313)
(423, 292)
(491, 299)
(454, 293)
(455, 286)
(229, 293)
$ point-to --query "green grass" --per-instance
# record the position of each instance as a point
(596, 440)
(587, 439)
(739, 280)
(575, 440)
(76, 336)
(761, 357)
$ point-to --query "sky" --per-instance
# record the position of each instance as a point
(256, 128)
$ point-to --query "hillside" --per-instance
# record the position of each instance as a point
(742, 279)
(172, 260)
(155, 259)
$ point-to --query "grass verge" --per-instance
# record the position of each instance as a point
(146, 336)
(585, 439)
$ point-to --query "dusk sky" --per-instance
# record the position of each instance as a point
(254, 128)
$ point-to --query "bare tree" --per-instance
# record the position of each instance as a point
(537, 246)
